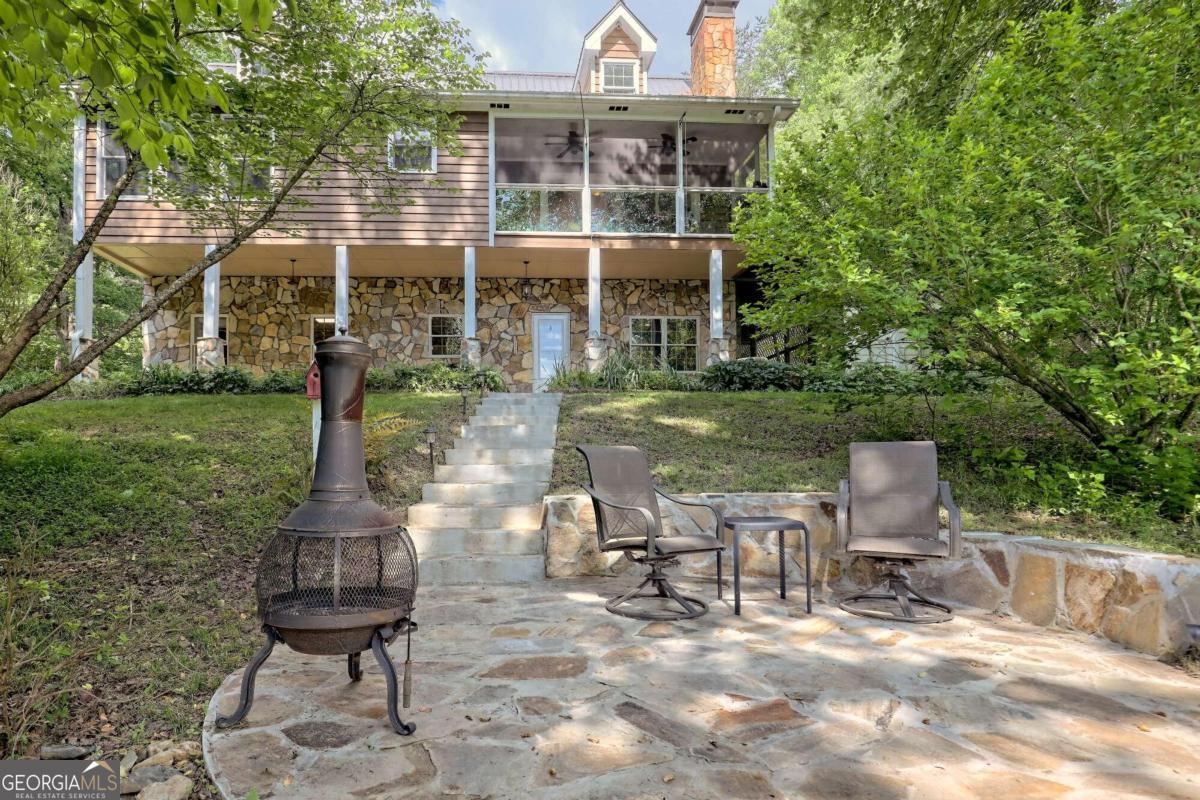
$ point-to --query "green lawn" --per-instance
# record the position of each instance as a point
(147, 514)
(796, 442)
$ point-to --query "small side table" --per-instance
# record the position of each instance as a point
(740, 525)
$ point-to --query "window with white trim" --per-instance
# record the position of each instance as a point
(415, 153)
(662, 342)
(113, 161)
(445, 336)
(618, 77)
(222, 334)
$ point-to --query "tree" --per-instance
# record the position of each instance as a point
(320, 91)
(1048, 232)
(834, 80)
(936, 48)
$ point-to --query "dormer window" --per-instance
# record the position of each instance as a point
(618, 76)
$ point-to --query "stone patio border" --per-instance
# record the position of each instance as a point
(1133, 597)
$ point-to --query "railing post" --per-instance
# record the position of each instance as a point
(210, 352)
(81, 335)
(341, 289)
(472, 355)
(595, 349)
(718, 348)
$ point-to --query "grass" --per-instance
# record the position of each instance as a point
(989, 447)
(140, 520)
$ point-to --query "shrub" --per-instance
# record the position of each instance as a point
(282, 381)
(751, 374)
(436, 377)
(620, 373)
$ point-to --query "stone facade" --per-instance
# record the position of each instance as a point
(714, 62)
(268, 319)
(1138, 599)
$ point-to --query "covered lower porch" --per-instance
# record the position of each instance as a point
(522, 308)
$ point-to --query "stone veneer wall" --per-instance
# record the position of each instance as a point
(268, 318)
(1135, 598)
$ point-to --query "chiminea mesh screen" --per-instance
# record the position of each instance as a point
(337, 575)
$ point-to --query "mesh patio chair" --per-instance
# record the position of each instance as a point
(628, 520)
(888, 511)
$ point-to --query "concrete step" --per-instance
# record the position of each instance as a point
(484, 494)
(497, 441)
(442, 515)
(481, 429)
(534, 405)
(547, 420)
(507, 455)
(434, 542)
(492, 473)
(524, 396)
(440, 570)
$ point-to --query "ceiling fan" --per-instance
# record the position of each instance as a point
(666, 143)
(572, 144)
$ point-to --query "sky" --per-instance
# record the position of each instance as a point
(545, 35)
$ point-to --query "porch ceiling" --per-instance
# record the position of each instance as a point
(620, 259)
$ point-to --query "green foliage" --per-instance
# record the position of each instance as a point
(620, 373)
(835, 82)
(30, 242)
(752, 375)
(434, 377)
(282, 381)
(1047, 233)
(130, 57)
(923, 55)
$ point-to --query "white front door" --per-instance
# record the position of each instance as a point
(551, 347)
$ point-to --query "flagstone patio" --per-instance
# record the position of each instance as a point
(533, 691)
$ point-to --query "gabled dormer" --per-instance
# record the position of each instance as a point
(616, 54)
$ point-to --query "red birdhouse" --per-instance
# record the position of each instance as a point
(312, 382)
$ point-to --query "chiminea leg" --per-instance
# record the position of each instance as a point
(379, 647)
(247, 696)
(353, 667)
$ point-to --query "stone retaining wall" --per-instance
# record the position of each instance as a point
(269, 318)
(1136, 598)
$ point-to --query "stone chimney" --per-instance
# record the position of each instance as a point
(714, 62)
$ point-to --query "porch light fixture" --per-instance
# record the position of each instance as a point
(526, 285)
(431, 440)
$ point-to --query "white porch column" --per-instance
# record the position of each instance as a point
(209, 350)
(82, 334)
(472, 353)
(594, 346)
(341, 289)
(718, 349)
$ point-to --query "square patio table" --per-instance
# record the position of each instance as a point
(779, 524)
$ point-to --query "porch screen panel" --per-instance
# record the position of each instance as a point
(632, 172)
(539, 174)
(722, 164)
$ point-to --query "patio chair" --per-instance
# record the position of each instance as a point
(628, 520)
(888, 512)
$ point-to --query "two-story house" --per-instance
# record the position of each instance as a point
(586, 211)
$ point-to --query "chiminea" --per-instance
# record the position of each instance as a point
(340, 575)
